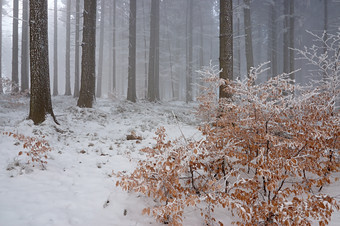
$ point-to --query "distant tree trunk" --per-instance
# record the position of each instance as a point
(291, 38)
(188, 95)
(273, 43)
(145, 53)
(238, 34)
(114, 48)
(1, 88)
(325, 27)
(172, 79)
(24, 47)
(40, 98)
(15, 48)
(55, 50)
(248, 36)
(76, 55)
(226, 43)
(286, 37)
(101, 49)
(153, 78)
(68, 50)
(88, 63)
(131, 94)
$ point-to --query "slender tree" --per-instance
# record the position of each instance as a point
(114, 47)
(40, 98)
(291, 38)
(76, 55)
(101, 49)
(248, 35)
(273, 40)
(286, 37)
(15, 48)
(131, 94)
(68, 50)
(188, 96)
(55, 50)
(24, 47)
(226, 43)
(1, 4)
(153, 75)
(88, 63)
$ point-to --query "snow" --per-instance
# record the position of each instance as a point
(77, 187)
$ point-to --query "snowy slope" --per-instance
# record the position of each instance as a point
(77, 187)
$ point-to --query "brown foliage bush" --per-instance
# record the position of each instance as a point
(265, 155)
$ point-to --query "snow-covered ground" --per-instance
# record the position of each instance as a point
(77, 187)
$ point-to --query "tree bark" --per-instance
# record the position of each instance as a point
(40, 98)
(1, 88)
(114, 48)
(248, 36)
(188, 95)
(153, 78)
(286, 37)
(131, 94)
(15, 48)
(55, 50)
(24, 47)
(68, 51)
(101, 49)
(226, 44)
(88, 63)
(272, 50)
(291, 38)
(76, 55)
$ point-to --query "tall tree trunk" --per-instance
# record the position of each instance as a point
(273, 43)
(1, 88)
(286, 37)
(145, 53)
(24, 47)
(291, 38)
(248, 36)
(76, 55)
(238, 40)
(170, 54)
(226, 43)
(114, 52)
(88, 63)
(68, 50)
(153, 78)
(188, 95)
(15, 48)
(325, 28)
(55, 50)
(40, 98)
(131, 94)
(101, 49)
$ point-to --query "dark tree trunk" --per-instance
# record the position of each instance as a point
(291, 38)
(55, 50)
(248, 36)
(114, 48)
(88, 63)
(286, 37)
(226, 43)
(24, 47)
(15, 48)
(76, 55)
(101, 49)
(188, 95)
(1, 91)
(153, 78)
(40, 98)
(145, 53)
(68, 51)
(131, 94)
(273, 43)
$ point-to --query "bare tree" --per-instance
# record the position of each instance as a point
(40, 98)
(1, 4)
(248, 36)
(286, 37)
(88, 63)
(153, 77)
(101, 49)
(55, 50)
(189, 64)
(68, 50)
(24, 47)
(226, 43)
(15, 48)
(131, 94)
(76, 55)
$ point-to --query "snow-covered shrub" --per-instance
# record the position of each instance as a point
(35, 149)
(265, 156)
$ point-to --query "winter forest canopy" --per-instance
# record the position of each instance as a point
(262, 77)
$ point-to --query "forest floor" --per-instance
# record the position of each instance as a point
(77, 187)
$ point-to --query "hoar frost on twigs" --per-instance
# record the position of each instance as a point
(265, 155)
